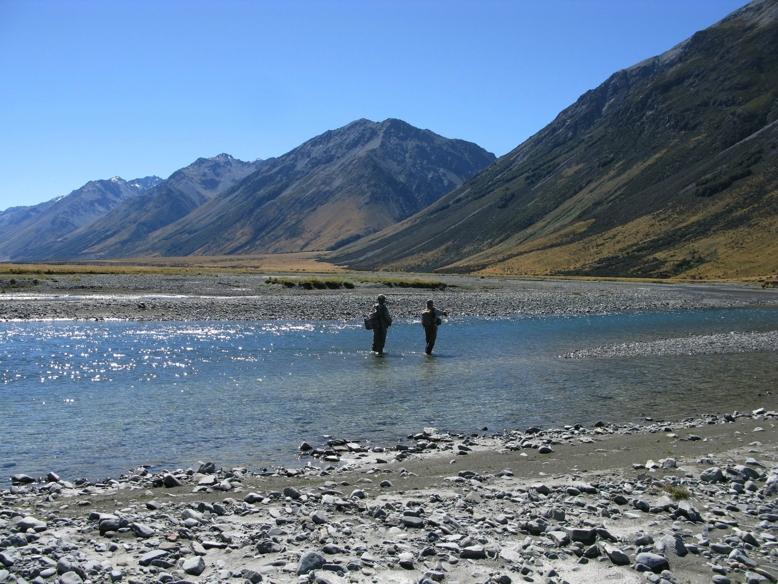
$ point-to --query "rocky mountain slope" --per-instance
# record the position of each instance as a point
(329, 191)
(121, 230)
(25, 230)
(666, 169)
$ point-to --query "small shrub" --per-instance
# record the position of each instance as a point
(676, 493)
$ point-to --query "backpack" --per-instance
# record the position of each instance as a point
(371, 322)
(428, 318)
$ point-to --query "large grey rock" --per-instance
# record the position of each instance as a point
(251, 576)
(112, 524)
(668, 543)
(142, 530)
(712, 475)
(739, 556)
(654, 562)
(536, 526)
(207, 468)
(720, 548)
(192, 514)
(17, 540)
(148, 557)
(310, 561)
(755, 578)
(332, 549)
(65, 564)
(616, 556)
(21, 479)
(268, 546)
(291, 492)
(559, 537)
(474, 552)
(511, 556)
(194, 565)
(585, 536)
(30, 523)
(70, 578)
(748, 472)
(473, 498)
(689, 511)
(413, 522)
(170, 481)
(405, 560)
(253, 498)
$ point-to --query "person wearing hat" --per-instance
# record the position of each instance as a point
(430, 320)
(382, 322)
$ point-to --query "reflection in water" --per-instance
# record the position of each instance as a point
(95, 399)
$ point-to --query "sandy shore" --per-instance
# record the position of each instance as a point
(689, 500)
(684, 501)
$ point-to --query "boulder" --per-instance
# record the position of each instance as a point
(310, 561)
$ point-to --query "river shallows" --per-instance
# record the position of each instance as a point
(95, 399)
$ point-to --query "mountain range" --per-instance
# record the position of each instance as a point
(669, 168)
(331, 190)
(25, 231)
(118, 232)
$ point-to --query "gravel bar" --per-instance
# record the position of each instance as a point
(734, 342)
(251, 298)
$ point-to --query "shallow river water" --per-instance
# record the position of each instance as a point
(95, 399)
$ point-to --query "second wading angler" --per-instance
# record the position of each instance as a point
(430, 320)
(378, 322)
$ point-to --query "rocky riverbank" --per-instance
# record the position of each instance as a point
(254, 297)
(733, 342)
(683, 501)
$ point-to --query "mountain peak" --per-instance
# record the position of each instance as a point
(223, 157)
(759, 12)
(334, 188)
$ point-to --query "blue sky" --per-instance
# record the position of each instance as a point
(102, 88)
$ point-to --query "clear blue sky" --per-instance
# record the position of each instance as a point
(100, 88)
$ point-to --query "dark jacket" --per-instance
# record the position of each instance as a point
(433, 318)
(384, 321)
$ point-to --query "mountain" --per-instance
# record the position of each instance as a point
(121, 230)
(669, 168)
(26, 229)
(329, 191)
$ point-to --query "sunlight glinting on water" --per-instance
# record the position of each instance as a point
(97, 398)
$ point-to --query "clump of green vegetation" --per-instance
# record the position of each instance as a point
(406, 283)
(20, 283)
(321, 283)
(312, 283)
(676, 493)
